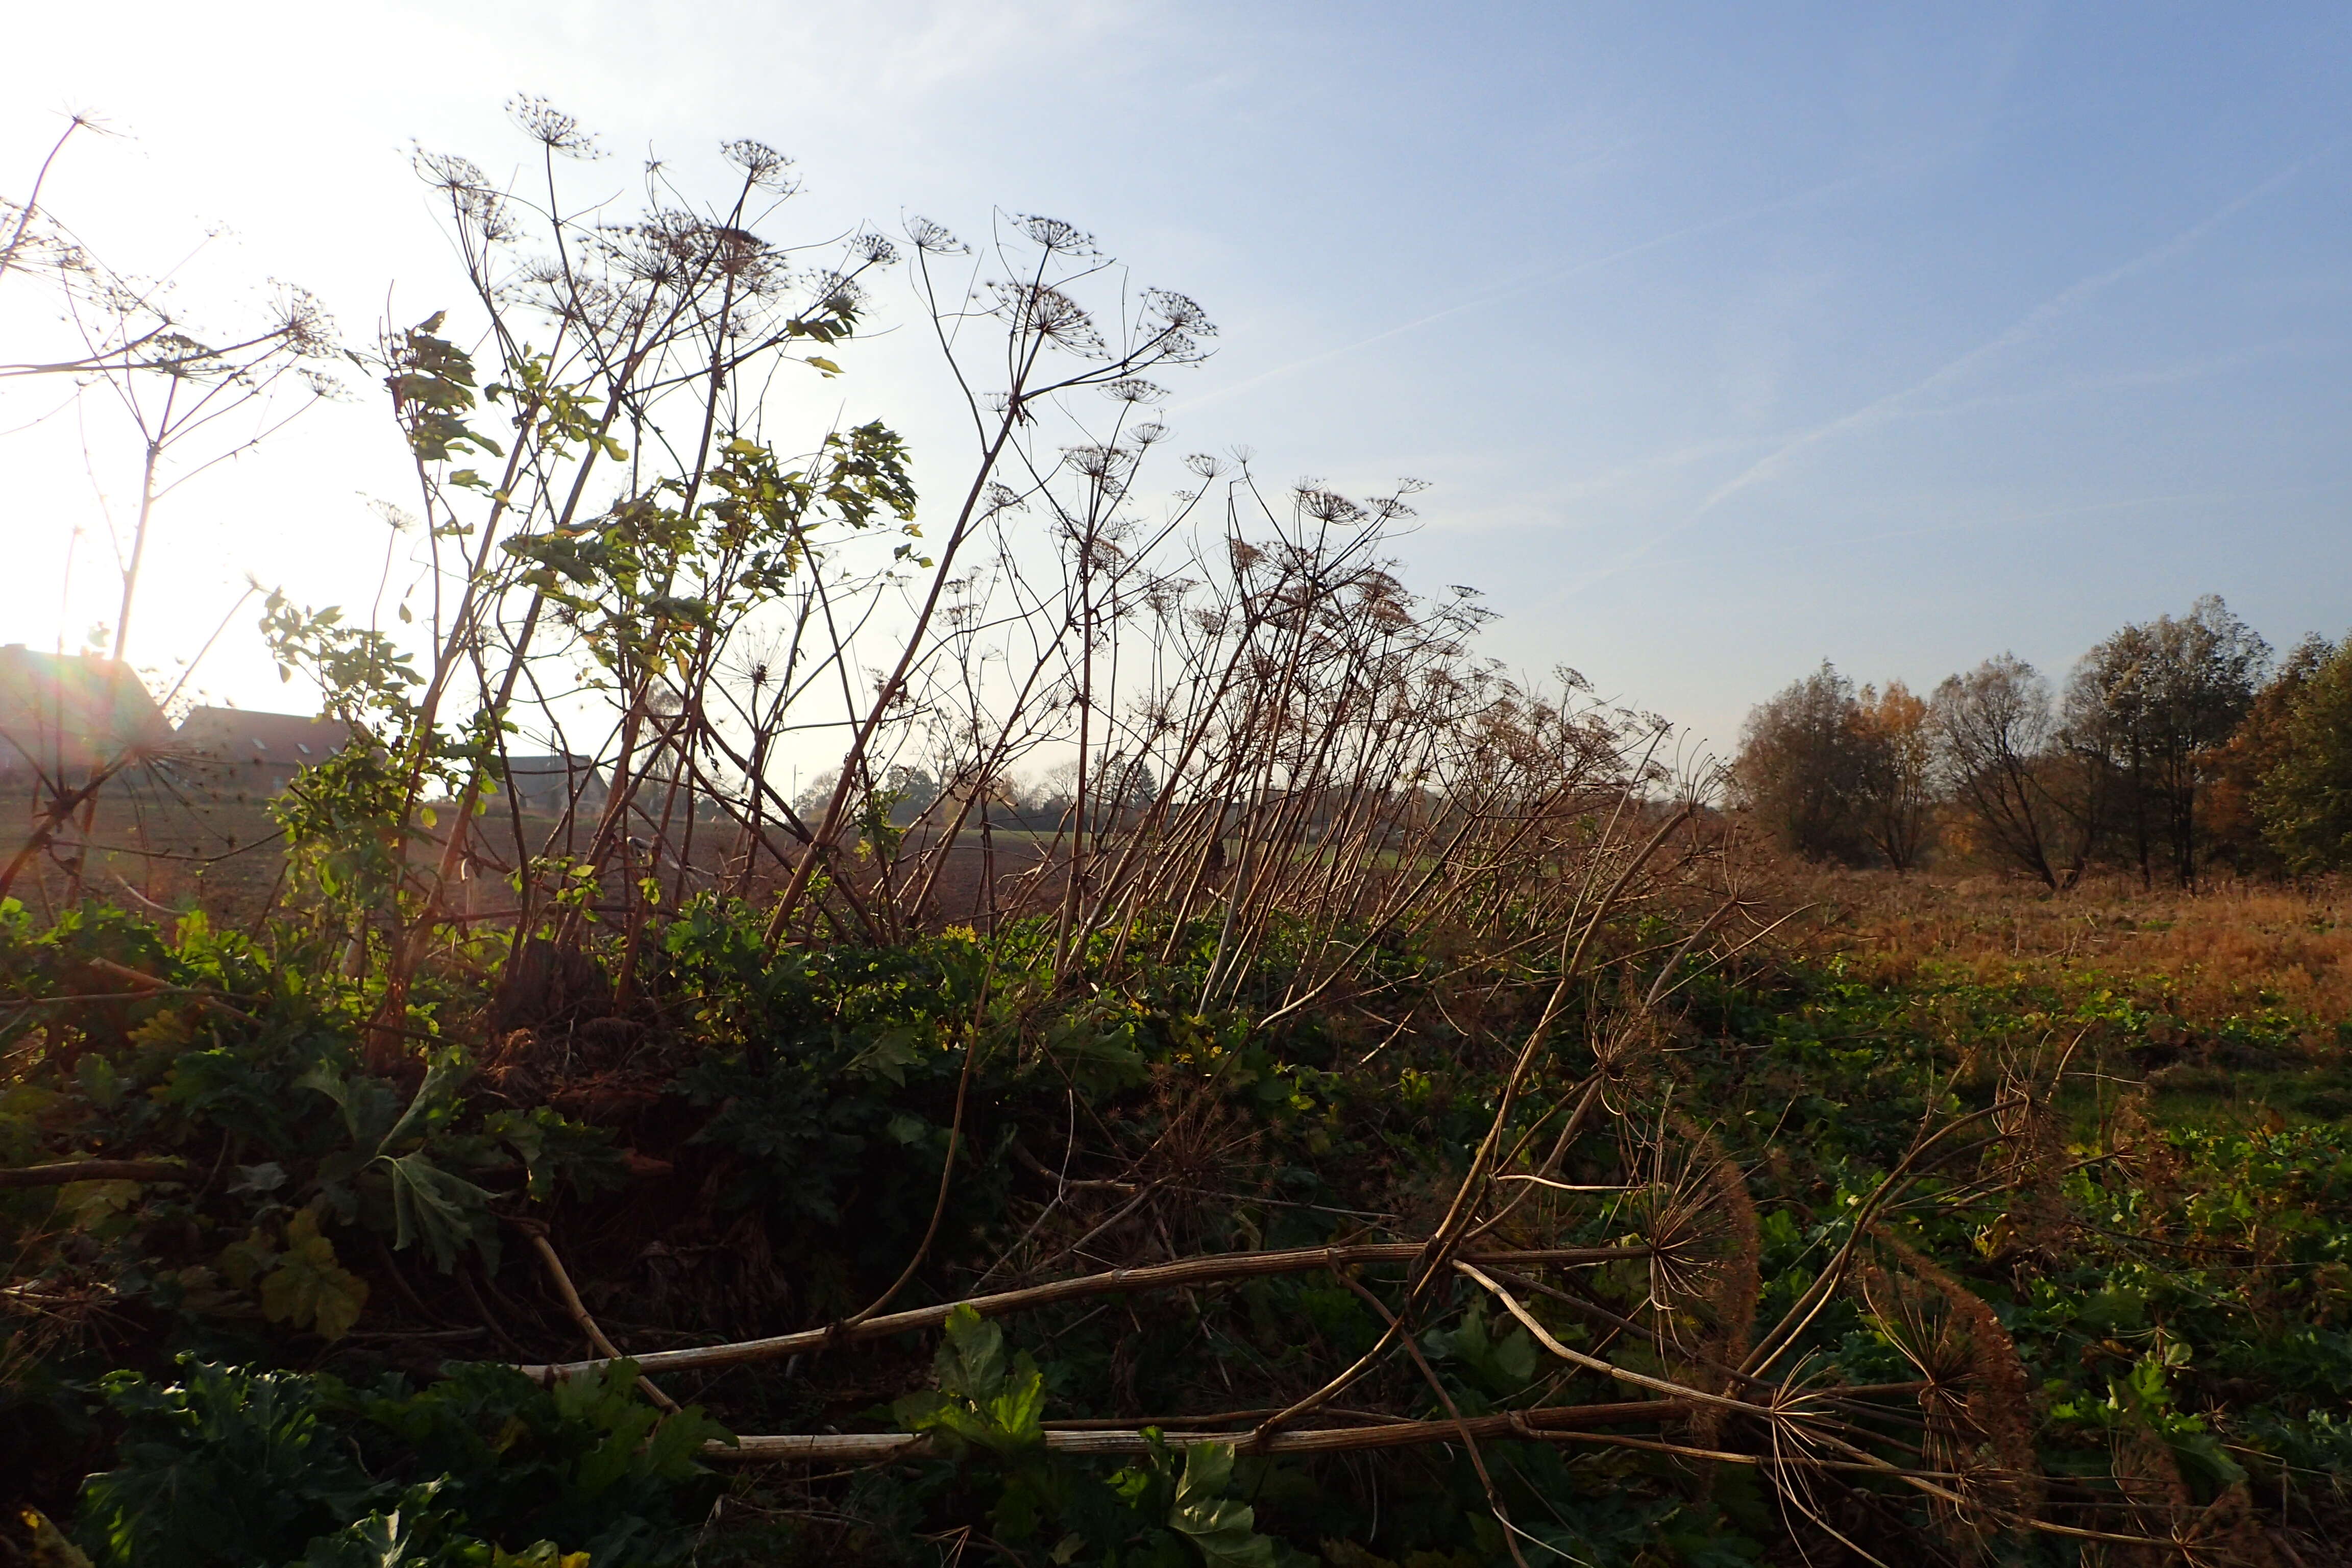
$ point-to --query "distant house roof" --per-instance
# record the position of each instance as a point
(265, 740)
(549, 779)
(64, 713)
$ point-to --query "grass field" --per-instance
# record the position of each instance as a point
(2235, 998)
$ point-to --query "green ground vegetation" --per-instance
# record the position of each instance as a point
(281, 1326)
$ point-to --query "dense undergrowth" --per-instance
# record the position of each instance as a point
(281, 1326)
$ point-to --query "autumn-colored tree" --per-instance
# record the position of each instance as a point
(1833, 774)
(2306, 800)
(1895, 800)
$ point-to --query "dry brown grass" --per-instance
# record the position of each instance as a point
(2231, 949)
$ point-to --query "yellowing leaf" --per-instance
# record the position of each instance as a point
(825, 365)
(538, 1555)
(161, 1032)
(309, 1289)
(243, 1262)
(40, 1543)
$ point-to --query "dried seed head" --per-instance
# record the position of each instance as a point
(1133, 389)
(835, 293)
(762, 164)
(552, 128)
(1057, 237)
(933, 237)
(1978, 1398)
(1092, 461)
(468, 190)
(1178, 311)
(309, 332)
(738, 253)
(1326, 506)
(1041, 308)
(1173, 325)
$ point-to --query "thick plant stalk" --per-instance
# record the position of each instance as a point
(1523, 1423)
(1211, 1269)
(580, 1315)
(68, 1171)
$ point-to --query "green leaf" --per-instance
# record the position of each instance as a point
(379, 1541)
(922, 1411)
(438, 1208)
(556, 1149)
(980, 1399)
(99, 1081)
(2199, 1453)
(674, 1451)
(1515, 1357)
(1100, 1056)
(970, 1364)
(616, 1457)
(443, 1076)
(1016, 1413)
(1224, 1530)
(87, 1204)
(889, 1056)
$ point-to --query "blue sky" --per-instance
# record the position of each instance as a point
(1730, 337)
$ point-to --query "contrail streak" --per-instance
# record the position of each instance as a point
(1520, 284)
(2027, 327)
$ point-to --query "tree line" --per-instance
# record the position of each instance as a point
(2174, 747)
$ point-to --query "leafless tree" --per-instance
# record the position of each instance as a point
(2005, 760)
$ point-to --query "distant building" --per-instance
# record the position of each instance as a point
(63, 716)
(231, 752)
(548, 784)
